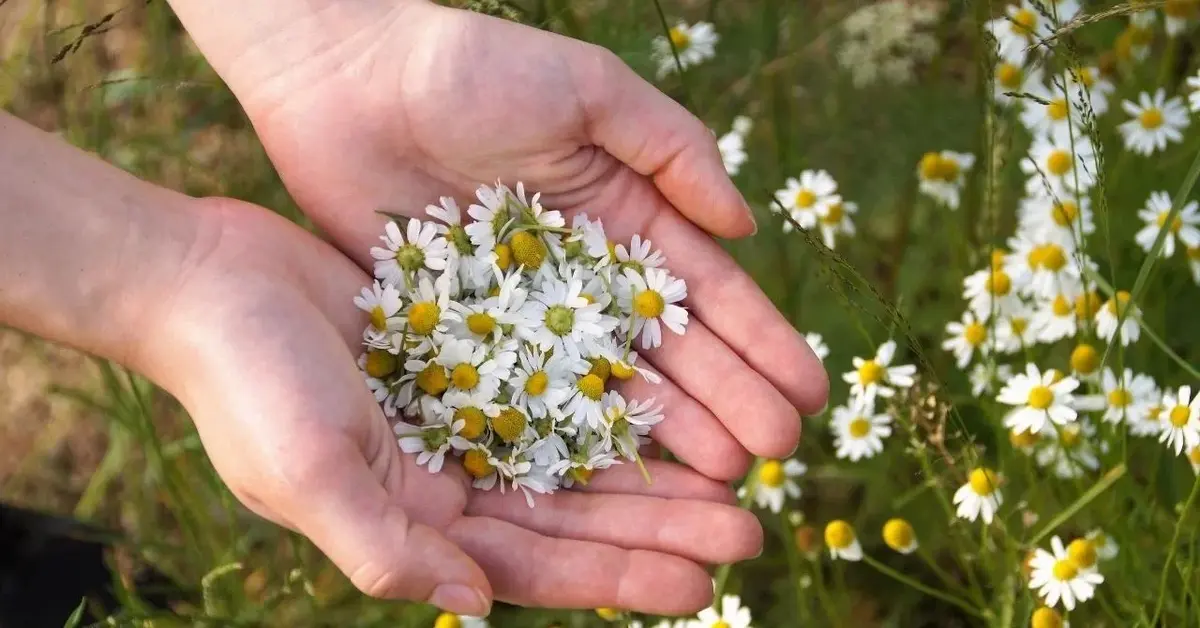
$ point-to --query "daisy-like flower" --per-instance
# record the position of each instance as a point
(1128, 398)
(1055, 577)
(817, 343)
(991, 291)
(842, 542)
(428, 311)
(1054, 319)
(450, 620)
(382, 304)
(1083, 553)
(398, 261)
(694, 44)
(1107, 317)
(491, 216)
(835, 219)
(731, 615)
(876, 376)
(627, 425)
(1093, 87)
(805, 198)
(1043, 269)
(1011, 78)
(639, 256)
(776, 481)
(1039, 397)
(1046, 617)
(1059, 220)
(733, 145)
(580, 467)
(523, 475)
(1181, 429)
(653, 300)
(1085, 361)
(1015, 332)
(1053, 108)
(568, 319)
(898, 534)
(1061, 165)
(965, 338)
(980, 496)
(1185, 227)
(469, 366)
(495, 317)
(942, 175)
(1017, 30)
(1193, 82)
(1180, 15)
(1069, 453)
(1106, 548)
(541, 381)
(429, 442)
(1157, 121)
(858, 432)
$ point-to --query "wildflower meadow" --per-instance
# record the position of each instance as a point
(983, 216)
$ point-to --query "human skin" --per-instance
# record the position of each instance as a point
(246, 319)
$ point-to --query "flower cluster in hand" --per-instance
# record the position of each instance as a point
(498, 340)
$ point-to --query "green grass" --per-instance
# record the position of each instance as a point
(167, 118)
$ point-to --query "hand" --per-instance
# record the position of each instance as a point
(369, 105)
(262, 312)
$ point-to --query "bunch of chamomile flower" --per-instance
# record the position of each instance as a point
(498, 339)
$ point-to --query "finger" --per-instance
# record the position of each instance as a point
(697, 530)
(667, 479)
(658, 138)
(530, 569)
(348, 514)
(690, 430)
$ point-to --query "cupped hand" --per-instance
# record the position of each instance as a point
(264, 312)
(370, 105)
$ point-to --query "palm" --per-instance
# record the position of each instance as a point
(289, 424)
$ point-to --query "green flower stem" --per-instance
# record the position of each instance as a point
(1104, 484)
(830, 607)
(923, 588)
(787, 535)
(721, 578)
(1166, 570)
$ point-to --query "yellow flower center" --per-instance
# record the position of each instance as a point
(1024, 21)
(1061, 306)
(476, 463)
(805, 199)
(609, 614)
(1009, 76)
(1180, 415)
(1119, 398)
(1064, 213)
(591, 386)
(834, 217)
(1040, 398)
(481, 323)
(622, 371)
(649, 304)
(432, 379)
(771, 474)
(464, 376)
(859, 427)
(1154, 412)
(1086, 305)
(870, 373)
(1161, 221)
(1058, 162)
(721, 623)
(1064, 570)
(1018, 325)
(473, 420)
(983, 481)
(1046, 618)
(679, 38)
(1194, 455)
(537, 383)
(1082, 553)
(450, 620)
(1118, 303)
(1023, 439)
(1057, 109)
(898, 534)
(839, 534)
(975, 334)
(935, 167)
(998, 257)
(528, 250)
(998, 283)
(504, 256)
(423, 317)
(380, 364)
(378, 318)
(1070, 436)
(509, 424)
(1151, 118)
(1085, 359)
(1087, 78)
(601, 368)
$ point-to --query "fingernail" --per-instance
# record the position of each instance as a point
(460, 599)
(750, 213)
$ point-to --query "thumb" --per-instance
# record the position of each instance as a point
(349, 515)
(657, 137)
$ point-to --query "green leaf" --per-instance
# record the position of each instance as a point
(76, 618)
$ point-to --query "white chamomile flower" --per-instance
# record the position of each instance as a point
(991, 292)
(775, 481)
(1106, 548)
(942, 175)
(1053, 108)
(524, 475)
(627, 424)
(1039, 397)
(1069, 453)
(429, 309)
(1129, 398)
(817, 344)
(980, 496)
(493, 318)
(1180, 15)
(842, 541)
(623, 363)
(580, 466)
(899, 535)
(732, 146)
(1062, 221)
(382, 304)
(429, 442)
(1108, 316)
(1181, 425)
(568, 318)
(1056, 577)
(1017, 30)
(640, 255)
(876, 376)
(470, 368)
(693, 44)
(1044, 268)
(491, 216)
(984, 376)
(805, 198)
(966, 337)
(858, 431)
(1061, 165)
(1185, 227)
(401, 257)
(1014, 331)
(1010, 78)
(652, 300)
(1093, 87)
(834, 220)
(542, 382)
(1193, 82)
(1055, 319)
(731, 615)
(1157, 121)
(450, 620)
